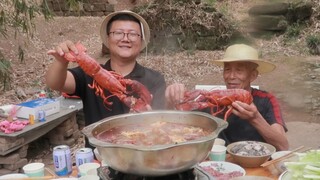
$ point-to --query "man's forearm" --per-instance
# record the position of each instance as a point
(56, 75)
(272, 134)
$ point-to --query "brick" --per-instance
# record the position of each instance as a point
(99, 1)
(56, 138)
(68, 133)
(98, 7)
(25, 147)
(65, 123)
(16, 165)
(5, 147)
(97, 13)
(9, 158)
(75, 127)
(76, 134)
(23, 151)
(23, 154)
(109, 8)
(88, 7)
(6, 140)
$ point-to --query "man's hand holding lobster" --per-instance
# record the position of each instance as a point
(245, 111)
(59, 51)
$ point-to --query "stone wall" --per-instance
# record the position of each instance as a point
(278, 16)
(87, 8)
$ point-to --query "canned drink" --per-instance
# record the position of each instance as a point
(31, 118)
(84, 155)
(42, 115)
(62, 160)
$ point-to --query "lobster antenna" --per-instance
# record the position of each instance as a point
(146, 52)
(144, 40)
(142, 30)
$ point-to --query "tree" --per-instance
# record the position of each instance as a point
(19, 14)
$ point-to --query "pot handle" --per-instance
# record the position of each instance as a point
(87, 130)
(222, 124)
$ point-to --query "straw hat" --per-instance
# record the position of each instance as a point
(145, 30)
(245, 53)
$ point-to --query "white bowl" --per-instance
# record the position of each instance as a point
(96, 153)
(34, 169)
(279, 154)
(278, 167)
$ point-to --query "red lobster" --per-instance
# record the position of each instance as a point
(219, 99)
(112, 81)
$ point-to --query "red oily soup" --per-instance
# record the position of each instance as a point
(158, 133)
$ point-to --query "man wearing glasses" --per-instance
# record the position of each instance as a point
(125, 33)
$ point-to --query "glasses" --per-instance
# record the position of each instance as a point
(120, 35)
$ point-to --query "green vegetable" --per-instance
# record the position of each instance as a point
(307, 168)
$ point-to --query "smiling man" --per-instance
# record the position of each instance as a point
(125, 33)
(259, 121)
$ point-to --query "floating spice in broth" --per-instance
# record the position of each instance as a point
(158, 133)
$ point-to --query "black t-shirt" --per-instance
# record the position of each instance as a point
(241, 130)
(93, 106)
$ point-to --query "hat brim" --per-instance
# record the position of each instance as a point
(263, 66)
(145, 26)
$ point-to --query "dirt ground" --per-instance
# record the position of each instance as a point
(295, 82)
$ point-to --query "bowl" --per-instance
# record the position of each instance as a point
(250, 154)
(34, 169)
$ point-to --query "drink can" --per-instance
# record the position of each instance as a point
(42, 115)
(31, 118)
(84, 155)
(62, 160)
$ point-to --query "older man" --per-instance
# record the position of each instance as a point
(260, 120)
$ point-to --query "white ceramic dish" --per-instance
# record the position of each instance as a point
(222, 167)
(285, 176)
(14, 176)
(279, 154)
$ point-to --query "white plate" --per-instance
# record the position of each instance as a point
(13, 176)
(285, 176)
(222, 167)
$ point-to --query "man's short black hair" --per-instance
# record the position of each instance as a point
(127, 17)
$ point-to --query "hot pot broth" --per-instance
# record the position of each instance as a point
(158, 133)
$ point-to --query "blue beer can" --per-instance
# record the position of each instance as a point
(62, 160)
(84, 155)
(42, 116)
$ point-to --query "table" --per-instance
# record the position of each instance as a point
(33, 132)
(259, 171)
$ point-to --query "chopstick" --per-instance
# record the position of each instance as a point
(285, 156)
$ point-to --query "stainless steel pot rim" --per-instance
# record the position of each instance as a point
(155, 147)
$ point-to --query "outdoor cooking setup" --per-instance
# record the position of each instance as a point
(160, 161)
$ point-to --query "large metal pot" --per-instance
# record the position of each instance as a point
(155, 160)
